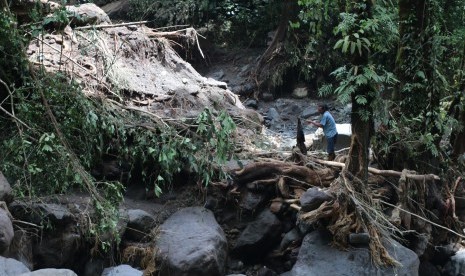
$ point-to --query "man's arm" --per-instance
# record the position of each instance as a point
(314, 123)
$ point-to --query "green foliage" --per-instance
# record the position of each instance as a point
(230, 22)
(95, 131)
(13, 64)
(312, 50)
(58, 18)
(316, 15)
(399, 145)
(247, 23)
(352, 79)
(216, 133)
(40, 163)
(55, 136)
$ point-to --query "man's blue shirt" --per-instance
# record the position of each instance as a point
(329, 125)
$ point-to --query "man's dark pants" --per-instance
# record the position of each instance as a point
(330, 147)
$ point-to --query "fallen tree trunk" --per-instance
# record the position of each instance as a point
(266, 170)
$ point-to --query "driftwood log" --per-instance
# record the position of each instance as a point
(262, 172)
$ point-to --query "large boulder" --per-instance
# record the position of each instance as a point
(40, 213)
(259, 237)
(87, 14)
(192, 243)
(6, 228)
(11, 267)
(317, 257)
(61, 244)
(6, 193)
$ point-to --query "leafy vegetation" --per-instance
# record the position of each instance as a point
(54, 136)
(412, 78)
(235, 23)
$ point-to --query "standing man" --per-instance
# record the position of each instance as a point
(329, 128)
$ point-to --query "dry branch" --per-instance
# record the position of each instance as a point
(384, 172)
(103, 26)
(425, 219)
(6, 111)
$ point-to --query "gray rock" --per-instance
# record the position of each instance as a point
(218, 75)
(60, 245)
(267, 97)
(258, 237)
(59, 250)
(11, 267)
(140, 224)
(456, 265)
(6, 231)
(121, 270)
(250, 200)
(313, 198)
(117, 10)
(192, 243)
(50, 272)
(252, 103)
(289, 238)
(38, 213)
(273, 115)
(87, 14)
(6, 194)
(317, 257)
(359, 238)
(265, 271)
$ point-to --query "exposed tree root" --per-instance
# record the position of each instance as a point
(269, 170)
(383, 209)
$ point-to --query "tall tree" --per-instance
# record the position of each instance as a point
(362, 98)
(415, 124)
(455, 14)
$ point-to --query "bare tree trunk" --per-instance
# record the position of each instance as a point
(274, 54)
(357, 163)
(457, 139)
